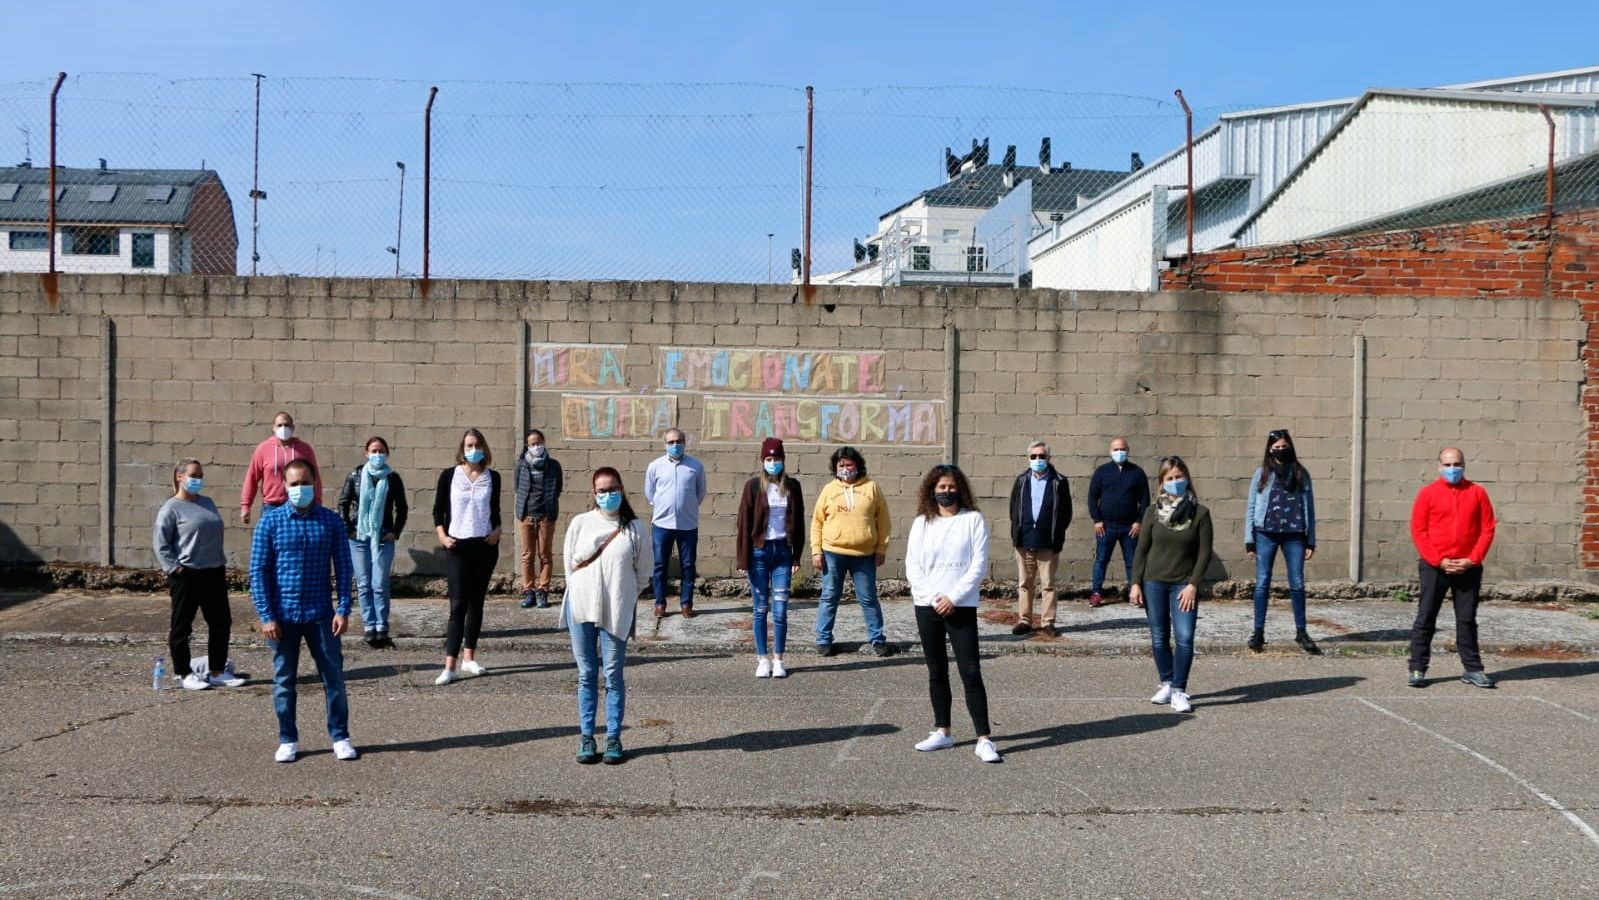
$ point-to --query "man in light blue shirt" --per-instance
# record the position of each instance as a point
(674, 485)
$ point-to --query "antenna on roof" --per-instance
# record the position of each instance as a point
(27, 146)
(1043, 157)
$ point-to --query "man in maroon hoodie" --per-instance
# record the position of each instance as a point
(1452, 525)
(265, 471)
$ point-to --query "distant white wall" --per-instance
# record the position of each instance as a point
(74, 263)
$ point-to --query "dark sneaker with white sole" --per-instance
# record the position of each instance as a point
(1477, 679)
(1418, 679)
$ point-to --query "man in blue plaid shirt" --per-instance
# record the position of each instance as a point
(290, 555)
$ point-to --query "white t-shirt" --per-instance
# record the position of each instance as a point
(776, 512)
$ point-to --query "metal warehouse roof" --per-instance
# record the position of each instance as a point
(121, 196)
(983, 187)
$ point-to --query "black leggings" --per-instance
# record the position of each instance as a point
(961, 628)
(204, 591)
(467, 568)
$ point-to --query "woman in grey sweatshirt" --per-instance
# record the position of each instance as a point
(188, 543)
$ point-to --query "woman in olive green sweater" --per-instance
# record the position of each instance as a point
(1173, 553)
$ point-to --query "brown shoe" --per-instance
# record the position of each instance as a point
(1096, 601)
(688, 612)
(1021, 628)
(660, 610)
(1050, 630)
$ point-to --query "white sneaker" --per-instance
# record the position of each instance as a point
(938, 740)
(777, 669)
(344, 750)
(1162, 696)
(193, 682)
(287, 753)
(1179, 701)
(471, 667)
(763, 669)
(986, 751)
(226, 679)
(445, 677)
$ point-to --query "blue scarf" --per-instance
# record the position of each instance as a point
(374, 496)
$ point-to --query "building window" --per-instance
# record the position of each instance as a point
(921, 258)
(976, 259)
(30, 240)
(144, 251)
(92, 242)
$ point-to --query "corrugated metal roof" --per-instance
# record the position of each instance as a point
(130, 203)
(1567, 81)
(983, 187)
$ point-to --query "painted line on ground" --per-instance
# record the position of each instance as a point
(844, 751)
(1580, 715)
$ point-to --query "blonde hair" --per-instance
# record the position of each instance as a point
(1167, 464)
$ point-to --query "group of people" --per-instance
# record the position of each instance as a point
(304, 558)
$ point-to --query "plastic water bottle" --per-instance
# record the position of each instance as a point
(159, 677)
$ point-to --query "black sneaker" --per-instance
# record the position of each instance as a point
(882, 649)
(542, 599)
(613, 751)
(528, 599)
(825, 650)
(372, 639)
(1257, 640)
(383, 640)
(1050, 630)
(587, 754)
(1477, 679)
(1418, 678)
(1306, 644)
(1021, 628)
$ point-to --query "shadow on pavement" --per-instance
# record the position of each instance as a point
(1072, 733)
(490, 739)
(1542, 670)
(1277, 690)
(1380, 634)
(758, 741)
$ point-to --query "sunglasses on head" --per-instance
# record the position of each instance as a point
(1278, 435)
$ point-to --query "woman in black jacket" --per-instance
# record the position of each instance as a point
(374, 510)
(466, 518)
(538, 506)
(771, 537)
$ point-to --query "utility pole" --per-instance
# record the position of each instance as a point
(256, 194)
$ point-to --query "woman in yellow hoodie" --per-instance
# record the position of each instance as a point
(849, 533)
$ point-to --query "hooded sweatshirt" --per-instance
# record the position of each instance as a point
(851, 519)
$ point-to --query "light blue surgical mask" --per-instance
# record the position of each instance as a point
(195, 486)
(1176, 488)
(1453, 474)
(377, 460)
(675, 451)
(773, 467)
(300, 495)
(608, 501)
(1118, 456)
(1038, 465)
(474, 455)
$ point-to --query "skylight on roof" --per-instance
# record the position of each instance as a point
(8, 191)
(158, 193)
(102, 193)
(44, 193)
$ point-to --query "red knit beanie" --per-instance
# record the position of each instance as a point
(772, 447)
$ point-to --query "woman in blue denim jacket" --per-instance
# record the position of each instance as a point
(1281, 515)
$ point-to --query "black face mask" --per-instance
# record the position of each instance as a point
(1283, 455)
(947, 499)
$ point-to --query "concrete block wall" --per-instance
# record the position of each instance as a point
(203, 363)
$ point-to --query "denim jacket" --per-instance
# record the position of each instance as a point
(1255, 512)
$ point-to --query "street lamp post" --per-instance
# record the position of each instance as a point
(399, 228)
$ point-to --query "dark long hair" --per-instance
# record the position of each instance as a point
(1291, 476)
(927, 507)
(851, 454)
(626, 512)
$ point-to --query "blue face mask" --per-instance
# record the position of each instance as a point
(1118, 456)
(675, 451)
(1176, 488)
(608, 501)
(377, 460)
(300, 495)
(1038, 465)
(474, 455)
(194, 486)
(774, 467)
(1453, 474)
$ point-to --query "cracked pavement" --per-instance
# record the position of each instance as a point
(1293, 777)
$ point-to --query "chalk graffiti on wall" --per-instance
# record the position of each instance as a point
(617, 417)
(562, 367)
(788, 372)
(823, 420)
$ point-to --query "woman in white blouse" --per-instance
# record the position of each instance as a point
(466, 517)
(945, 561)
(607, 557)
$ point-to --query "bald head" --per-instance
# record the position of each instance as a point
(1451, 456)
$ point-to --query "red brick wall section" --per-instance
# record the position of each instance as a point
(216, 240)
(1502, 258)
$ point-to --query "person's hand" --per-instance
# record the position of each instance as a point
(1099, 529)
(742, 571)
(493, 540)
(1249, 549)
(445, 540)
(339, 624)
(816, 561)
(271, 631)
(880, 558)
(793, 570)
(244, 517)
(1187, 597)
(1135, 595)
(178, 571)
(942, 605)
(1309, 552)
(1137, 527)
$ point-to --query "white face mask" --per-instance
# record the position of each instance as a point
(284, 432)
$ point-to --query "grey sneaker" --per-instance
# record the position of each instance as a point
(882, 649)
(1477, 679)
(1418, 678)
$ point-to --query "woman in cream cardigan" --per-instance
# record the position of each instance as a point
(607, 557)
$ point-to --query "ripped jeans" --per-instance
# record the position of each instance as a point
(770, 576)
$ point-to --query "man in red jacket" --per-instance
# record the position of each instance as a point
(1452, 525)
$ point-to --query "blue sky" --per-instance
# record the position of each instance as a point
(609, 168)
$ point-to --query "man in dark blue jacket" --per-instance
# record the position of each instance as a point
(1040, 510)
(1118, 494)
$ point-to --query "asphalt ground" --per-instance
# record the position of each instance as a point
(1294, 776)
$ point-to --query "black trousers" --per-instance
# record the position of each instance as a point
(467, 568)
(960, 627)
(204, 591)
(1434, 583)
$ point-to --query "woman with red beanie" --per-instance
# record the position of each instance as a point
(771, 534)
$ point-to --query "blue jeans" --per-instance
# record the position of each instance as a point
(1160, 606)
(372, 583)
(1105, 544)
(592, 646)
(1293, 547)
(688, 542)
(863, 570)
(328, 653)
(769, 585)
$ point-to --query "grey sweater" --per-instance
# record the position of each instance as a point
(189, 534)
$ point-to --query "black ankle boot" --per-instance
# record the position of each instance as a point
(1306, 644)
(1257, 640)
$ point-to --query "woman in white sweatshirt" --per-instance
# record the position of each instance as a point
(945, 562)
(607, 558)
